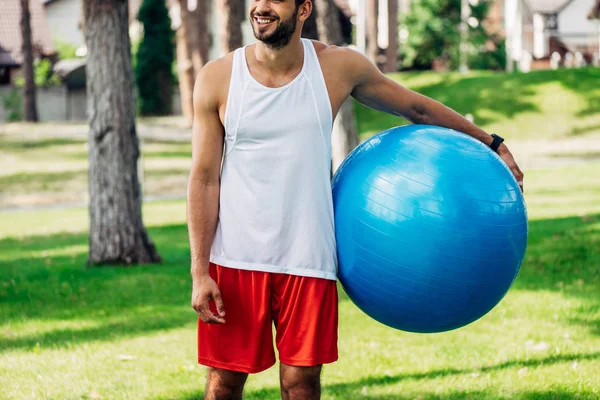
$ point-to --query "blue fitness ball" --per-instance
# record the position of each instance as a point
(431, 228)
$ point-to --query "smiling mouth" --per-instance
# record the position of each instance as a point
(262, 21)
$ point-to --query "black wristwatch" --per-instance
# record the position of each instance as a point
(496, 142)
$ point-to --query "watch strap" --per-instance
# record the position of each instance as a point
(496, 142)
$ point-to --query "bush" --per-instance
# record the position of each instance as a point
(154, 59)
(42, 74)
(64, 49)
(13, 104)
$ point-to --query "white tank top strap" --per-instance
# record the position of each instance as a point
(235, 98)
(315, 77)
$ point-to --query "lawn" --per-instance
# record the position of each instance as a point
(540, 104)
(69, 332)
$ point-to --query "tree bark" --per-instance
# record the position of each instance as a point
(328, 22)
(193, 46)
(185, 73)
(232, 14)
(391, 53)
(198, 33)
(29, 105)
(372, 15)
(344, 137)
(117, 233)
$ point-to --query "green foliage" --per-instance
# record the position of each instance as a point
(12, 103)
(42, 74)
(154, 59)
(65, 49)
(434, 36)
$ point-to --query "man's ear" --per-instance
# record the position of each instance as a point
(305, 10)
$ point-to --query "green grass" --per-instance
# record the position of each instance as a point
(549, 104)
(54, 170)
(129, 333)
(69, 332)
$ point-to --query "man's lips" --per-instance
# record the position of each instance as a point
(264, 20)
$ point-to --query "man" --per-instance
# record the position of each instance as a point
(260, 212)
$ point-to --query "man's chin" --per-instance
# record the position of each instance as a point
(262, 36)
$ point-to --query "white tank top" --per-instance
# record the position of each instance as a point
(276, 208)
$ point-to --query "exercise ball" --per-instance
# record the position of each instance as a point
(431, 228)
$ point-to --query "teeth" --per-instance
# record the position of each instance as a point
(263, 21)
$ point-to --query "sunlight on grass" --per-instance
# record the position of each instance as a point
(72, 332)
(46, 171)
(50, 221)
(548, 104)
(127, 333)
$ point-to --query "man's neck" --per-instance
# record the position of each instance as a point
(279, 60)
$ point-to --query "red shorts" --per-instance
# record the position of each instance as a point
(304, 311)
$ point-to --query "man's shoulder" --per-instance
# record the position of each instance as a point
(216, 71)
(338, 55)
(212, 82)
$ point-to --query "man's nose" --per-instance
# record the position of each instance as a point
(263, 7)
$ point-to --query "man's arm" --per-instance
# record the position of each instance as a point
(203, 193)
(375, 90)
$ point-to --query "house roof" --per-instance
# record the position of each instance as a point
(6, 59)
(595, 11)
(547, 6)
(10, 31)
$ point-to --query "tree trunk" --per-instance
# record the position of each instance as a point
(117, 233)
(193, 45)
(232, 16)
(29, 106)
(198, 34)
(344, 137)
(391, 53)
(185, 73)
(328, 22)
(372, 15)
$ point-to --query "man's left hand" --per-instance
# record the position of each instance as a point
(508, 158)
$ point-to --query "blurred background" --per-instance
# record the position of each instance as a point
(76, 327)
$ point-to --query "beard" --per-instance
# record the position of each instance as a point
(281, 36)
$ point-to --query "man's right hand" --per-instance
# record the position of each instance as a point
(203, 292)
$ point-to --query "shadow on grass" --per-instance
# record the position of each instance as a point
(504, 94)
(55, 181)
(355, 389)
(454, 395)
(579, 82)
(14, 144)
(44, 278)
(580, 131)
(562, 254)
(40, 179)
(168, 154)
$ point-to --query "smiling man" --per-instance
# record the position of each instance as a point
(260, 211)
